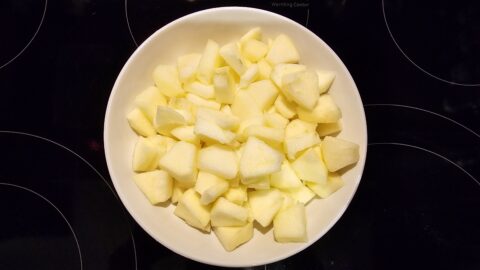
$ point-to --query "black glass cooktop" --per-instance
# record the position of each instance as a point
(417, 67)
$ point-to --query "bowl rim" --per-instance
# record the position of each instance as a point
(125, 201)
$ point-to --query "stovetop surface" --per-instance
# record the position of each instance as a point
(416, 65)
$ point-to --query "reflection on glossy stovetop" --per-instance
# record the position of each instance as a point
(415, 64)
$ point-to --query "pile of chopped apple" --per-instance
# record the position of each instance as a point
(240, 134)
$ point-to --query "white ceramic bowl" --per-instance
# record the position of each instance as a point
(189, 34)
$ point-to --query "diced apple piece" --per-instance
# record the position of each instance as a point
(162, 143)
(177, 192)
(192, 211)
(201, 102)
(187, 66)
(301, 194)
(309, 166)
(265, 205)
(286, 108)
(232, 56)
(210, 132)
(286, 73)
(226, 213)
(294, 145)
(325, 111)
(145, 156)
(250, 75)
(167, 119)
(224, 85)
(304, 89)
(325, 129)
(148, 100)
(252, 34)
(263, 94)
(166, 79)
(242, 106)
(210, 187)
(200, 89)
(254, 50)
(219, 160)
(209, 61)
(282, 51)
(259, 159)
(272, 136)
(325, 80)
(264, 69)
(180, 162)
(232, 237)
(298, 127)
(140, 123)
(339, 153)
(187, 134)
(275, 120)
(290, 225)
(156, 185)
(285, 178)
(334, 183)
(236, 195)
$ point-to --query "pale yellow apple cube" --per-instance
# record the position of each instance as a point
(187, 134)
(192, 211)
(325, 111)
(265, 204)
(140, 123)
(339, 153)
(325, 80)
(210, 187)
(180, 162)
(254, 50)
(290, 224)
(219, 160)
(167, 119)
(187, 66)
(282, 50)
(309, 166)
(286, 178)
(167, 81)
(209, 61)
(227, 213)
(259, 159)
(264, 69)
(303, 90)
(156, 185)
(294, 145)
(202, 90)
(249, 76)
(224, 85)
(232, 56)
(232, 237)
(148, 101)
(334, 183)
(145, 156)
(301, 194)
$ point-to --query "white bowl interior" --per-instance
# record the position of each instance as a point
(189, 34)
